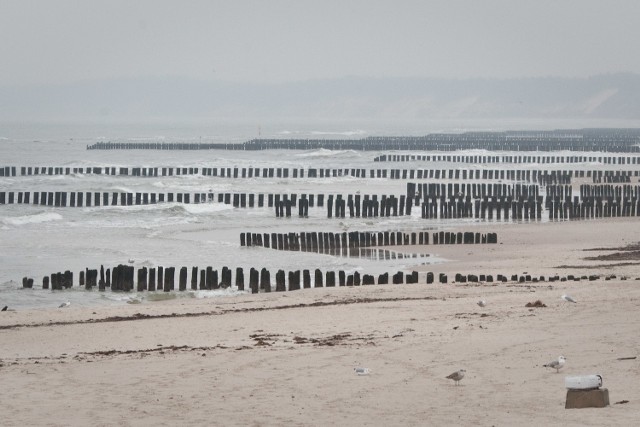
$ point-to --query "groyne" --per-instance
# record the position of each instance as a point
(598, 140)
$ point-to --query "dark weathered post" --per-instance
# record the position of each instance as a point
(331, 279)
(265, 280)
(183, 279)
(240, 278)
(194, 278)
(306, 279)
(160, 278)
(280, 281)
(169, 276)
(254, 280)
(152, 279)
(318, 278)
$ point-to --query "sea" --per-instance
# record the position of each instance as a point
(36, 241)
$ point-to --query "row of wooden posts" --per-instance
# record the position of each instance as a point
(474, 190)
(601, 140)
(508, 159)
(611, 179)
(486, 209)
(125, 278)
(361, 206)
(89, 199)
(592, 207)
(367, 204)
(543, 177)
(376, 144)
(327, 242)
(624, 191)
(517, 191)
(587, 190)
(530, 209)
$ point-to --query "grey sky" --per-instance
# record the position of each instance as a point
(46, 42)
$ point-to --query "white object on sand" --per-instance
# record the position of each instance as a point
(482, 303)
(457, 376)
(362, 371)
(556, 364)
(569, 298)
(64, 304)
(583, 382)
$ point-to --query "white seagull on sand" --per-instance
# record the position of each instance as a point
(361, 371)
(556, 364)
(482, 303)
(568, 298)
(64, 304)
(457, 376)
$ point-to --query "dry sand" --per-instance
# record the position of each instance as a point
(288, 358)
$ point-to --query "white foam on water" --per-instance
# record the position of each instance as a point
(204, 208)
(121, 189)
(323, 152)
(31, 219)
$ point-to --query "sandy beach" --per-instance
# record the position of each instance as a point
(289, 358)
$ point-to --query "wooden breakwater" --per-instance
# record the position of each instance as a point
(474, 190)
(540, 176)
(526, 206)
(353, 241)
(97, 199)
(509, 159)
(594, 140)
(126, 278)
(527, 175)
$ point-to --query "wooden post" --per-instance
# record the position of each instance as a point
(254, 280)
(240, 278)
(152, 279)
(183, 279)
(265, 280)
(280, 281)
(169, 275)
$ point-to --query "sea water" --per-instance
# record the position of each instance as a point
(36, 241)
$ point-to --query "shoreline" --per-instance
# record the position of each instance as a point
(289, 357)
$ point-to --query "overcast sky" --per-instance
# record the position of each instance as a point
(43, 42)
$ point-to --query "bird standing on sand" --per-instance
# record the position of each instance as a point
(482, 303)
(457, 376)
(568, 298)
(556, 364)
(64, 304)
(5, 308)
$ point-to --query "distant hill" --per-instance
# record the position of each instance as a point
(612, 96)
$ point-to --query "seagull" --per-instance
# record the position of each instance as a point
(5, 308)
(457, 376)
(361, 371)
(556, 364)
(568, 298)
(482, 303)
(64, 304)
